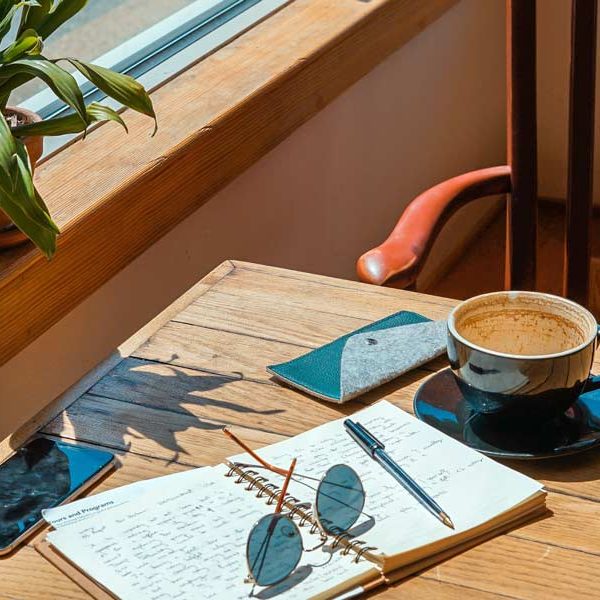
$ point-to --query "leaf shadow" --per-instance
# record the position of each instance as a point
(143, 400)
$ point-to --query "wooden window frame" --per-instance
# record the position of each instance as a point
(113, 195)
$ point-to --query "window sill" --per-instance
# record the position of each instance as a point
(114, 195)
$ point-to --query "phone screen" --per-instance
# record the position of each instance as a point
(42, 474)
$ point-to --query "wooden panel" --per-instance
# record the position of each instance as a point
(287, 323)
(572, 525)
(582, 96)
(360, 301)
(427, 588)
(152, 432)
(576, 475)
(216, 351)
(525, 569)
(25, 575)
(521, 239)
(228, 308)
(172, 435)
(216, 120)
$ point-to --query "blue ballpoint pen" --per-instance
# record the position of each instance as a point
(376, 450)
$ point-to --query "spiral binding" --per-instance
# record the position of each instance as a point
(297, 510)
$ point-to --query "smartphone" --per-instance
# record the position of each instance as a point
(43, 474)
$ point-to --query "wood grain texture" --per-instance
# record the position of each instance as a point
(580, 173)
(216, 119)
(163, 414)
(152, 432)
(525, 570)
(27, 576)
(221, 352)
(427, 588)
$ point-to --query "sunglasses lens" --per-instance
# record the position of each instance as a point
(340, 499)
(274, 549)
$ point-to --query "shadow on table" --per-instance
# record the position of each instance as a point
(171, 400)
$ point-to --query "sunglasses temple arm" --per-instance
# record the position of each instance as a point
(284, 487)
(253, 454)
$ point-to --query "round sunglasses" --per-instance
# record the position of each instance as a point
(274, 547)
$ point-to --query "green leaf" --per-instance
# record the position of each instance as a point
(8, 148)
(18, 196)
(34, 16)
(27, 43)
(58, 126)
(70, 123)
(43, 238)
(16, 178)
(123, 88)
(26, 193)
(63, 10)
(10, 13)
(99, 112)
(10, 84)
(5, 7)
(63, 84)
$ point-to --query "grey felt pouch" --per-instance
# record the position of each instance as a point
(366, 358)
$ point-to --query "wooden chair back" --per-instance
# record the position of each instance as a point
(522, 147)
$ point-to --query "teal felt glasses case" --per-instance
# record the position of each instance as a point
(366, 358)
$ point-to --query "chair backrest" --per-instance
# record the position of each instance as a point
(522, 147)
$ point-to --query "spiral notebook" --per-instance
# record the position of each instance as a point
(186, 537)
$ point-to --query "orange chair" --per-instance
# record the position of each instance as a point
(401, 256)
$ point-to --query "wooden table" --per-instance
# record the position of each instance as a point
(161, 409)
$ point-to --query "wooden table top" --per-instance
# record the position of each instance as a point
(161, 409)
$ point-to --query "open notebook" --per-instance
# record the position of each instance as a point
(186, 537)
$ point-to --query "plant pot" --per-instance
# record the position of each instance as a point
(9, 234)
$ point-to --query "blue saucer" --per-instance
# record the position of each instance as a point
(440, 403)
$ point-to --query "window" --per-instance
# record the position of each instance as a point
(151, 40)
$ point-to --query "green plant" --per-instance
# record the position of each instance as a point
(22, 60)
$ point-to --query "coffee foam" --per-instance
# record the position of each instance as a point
(521, 324)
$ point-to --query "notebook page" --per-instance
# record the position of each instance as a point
(470, 487)
(188, 542)
(104, 502)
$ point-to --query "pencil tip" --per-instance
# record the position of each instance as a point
(446, 520)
